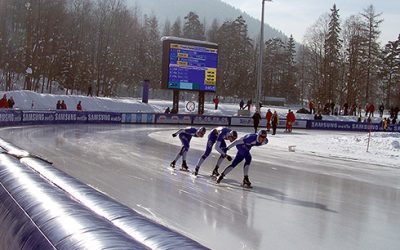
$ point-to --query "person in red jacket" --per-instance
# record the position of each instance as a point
(268, 117)
(216, 101)
(79, 106)
(4, 102)
(290, 119)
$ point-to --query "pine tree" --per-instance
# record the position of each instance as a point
(291, 89)
(193, 28)
(371, 46)
(390, 72)
(176, 29)
(332, 56)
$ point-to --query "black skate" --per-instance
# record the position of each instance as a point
(184, 166)
(215, 172)
(196, 171)
(246, 182)
(172, 165)
(220, 178)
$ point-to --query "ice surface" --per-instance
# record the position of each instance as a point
(314, 198)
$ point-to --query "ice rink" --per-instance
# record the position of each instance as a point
(299, 200)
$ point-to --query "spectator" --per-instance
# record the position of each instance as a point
(241, 104)
(353, 109)
(11, 102)
(79, 106)
(274, 122)
(319, 106)
(311, 107)
(167, 111)
(366, 109)
(318, 116)
(90, 92)
(381, 109)
(290, 119)
(4, 102)
(216, 101)
(371, 110)
(268, 117)
(346, 109)
(58, 105)
(249, 102)
(256, 120)
(332, 107)
(63, 105)
(385, 124)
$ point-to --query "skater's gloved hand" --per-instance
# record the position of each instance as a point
(173, 135)
(228, 157)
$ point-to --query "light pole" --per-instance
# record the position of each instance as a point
(260, 58)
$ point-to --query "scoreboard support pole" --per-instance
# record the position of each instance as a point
(201, 103)
(175, 102)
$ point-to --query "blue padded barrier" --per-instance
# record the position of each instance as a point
(124, 219)
(35, 215)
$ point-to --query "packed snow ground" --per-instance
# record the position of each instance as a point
(384, 147)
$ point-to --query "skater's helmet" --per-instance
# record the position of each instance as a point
(262, 135)
(232, 135)
(201, 132)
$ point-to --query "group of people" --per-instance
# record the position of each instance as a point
(273, 121)
(218, 137)
(7, 103)
(63, 106)
(248, 104)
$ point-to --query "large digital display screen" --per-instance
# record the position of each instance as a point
(188, 65)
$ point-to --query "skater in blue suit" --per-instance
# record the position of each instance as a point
(244, 146)
(217, 135)
(185, 135)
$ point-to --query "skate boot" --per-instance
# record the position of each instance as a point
(246, 182)
(215, 172)
(220, 178)
(196, 171)
(184, 166)
(172, 165)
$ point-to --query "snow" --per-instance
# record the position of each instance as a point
(383, 150)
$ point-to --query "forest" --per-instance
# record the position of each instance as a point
(112, 47)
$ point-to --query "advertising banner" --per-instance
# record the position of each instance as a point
(173, 119)
(349, 126)
(10, 117)
(104, 117)
(211, 120)
(138, 118)
(38, 117)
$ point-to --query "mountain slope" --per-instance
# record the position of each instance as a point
(208, 10)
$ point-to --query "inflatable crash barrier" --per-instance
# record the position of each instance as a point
(43, 208)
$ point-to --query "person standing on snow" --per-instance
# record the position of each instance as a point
(290, 119)
(217, 135)
(274, 122)
(244, 146)
(216, 102)
(185, 135)
(4, 102)
(79, 106)
(256, 120)
(268, 117)
(241, 104)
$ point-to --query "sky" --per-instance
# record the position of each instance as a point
(295, 16)
(384, 147)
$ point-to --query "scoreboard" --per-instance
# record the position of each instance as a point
(189, 65)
